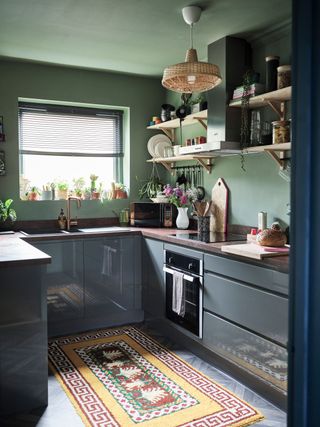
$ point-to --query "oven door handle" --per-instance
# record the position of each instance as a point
(185, 276)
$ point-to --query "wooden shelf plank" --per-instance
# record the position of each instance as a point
(191, 119)
(272, 147)
(263, 100)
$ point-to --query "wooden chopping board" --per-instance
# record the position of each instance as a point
(252, 250)
(219, 215)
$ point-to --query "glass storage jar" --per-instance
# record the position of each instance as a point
(284, 76)
(280, 131)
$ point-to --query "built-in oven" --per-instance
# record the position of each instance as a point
(184, 291)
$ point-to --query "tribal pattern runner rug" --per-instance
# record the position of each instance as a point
(122, 377)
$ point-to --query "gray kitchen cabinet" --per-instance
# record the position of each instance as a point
(245, 322)
(259, 311)
(112, 277)
(23, 339)
(153, 278)
(64, 279)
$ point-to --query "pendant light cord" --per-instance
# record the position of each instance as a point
(191, 36)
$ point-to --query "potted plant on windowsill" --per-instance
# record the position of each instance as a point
(33, 194)
(7, 215)
(62, 190)
(120, 191)
(96, 193)
(78, 186)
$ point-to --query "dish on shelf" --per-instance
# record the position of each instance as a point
(160, 199)
(160, 148)
(154, 141)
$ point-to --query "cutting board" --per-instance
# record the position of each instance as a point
(219, 215)
(252, 250)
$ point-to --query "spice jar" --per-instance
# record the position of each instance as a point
(284, 76)
(281, 132)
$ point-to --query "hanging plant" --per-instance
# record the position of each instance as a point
(152, 186)
(245, 115)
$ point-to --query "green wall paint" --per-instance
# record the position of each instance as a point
(140, 97)
(260, 187)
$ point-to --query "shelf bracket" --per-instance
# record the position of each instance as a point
(278, 158)
(206, 164)
(168, 166)
(201, 121)
(278, 108)
(169, 133)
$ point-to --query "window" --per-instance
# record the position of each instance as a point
(63, 144)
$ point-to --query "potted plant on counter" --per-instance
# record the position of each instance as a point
(7, 215)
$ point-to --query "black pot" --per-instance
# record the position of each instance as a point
(6, 225)
(166, 112)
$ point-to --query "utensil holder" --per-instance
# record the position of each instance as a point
(203, 225)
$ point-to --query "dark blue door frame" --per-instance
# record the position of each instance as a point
(304, 335)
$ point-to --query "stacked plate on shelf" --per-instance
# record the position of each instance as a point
(157, 145)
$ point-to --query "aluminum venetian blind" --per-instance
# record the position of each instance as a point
(69, 131)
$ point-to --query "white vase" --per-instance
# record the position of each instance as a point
(182, 220)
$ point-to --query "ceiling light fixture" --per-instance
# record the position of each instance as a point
(192, 75)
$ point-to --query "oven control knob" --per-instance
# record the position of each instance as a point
(171, 260)
(190, 266)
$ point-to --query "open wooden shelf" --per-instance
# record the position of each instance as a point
(279, 152)
(275, 100)
(169, 126)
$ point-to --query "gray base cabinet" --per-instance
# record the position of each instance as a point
(111, 276)
(246, 319)
(23, 340)
(153, 279)
(92, 283)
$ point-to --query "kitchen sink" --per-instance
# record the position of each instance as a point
(35, 231)
(103, 229)
(32, 231)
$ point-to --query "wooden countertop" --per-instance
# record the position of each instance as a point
(280, 263)
(14, 251)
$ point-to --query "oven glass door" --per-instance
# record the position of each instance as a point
(192, 319)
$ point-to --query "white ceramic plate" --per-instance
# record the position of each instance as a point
(160, 148)
(154, 140)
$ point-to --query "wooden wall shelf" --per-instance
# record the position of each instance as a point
(192, 119)
(279, 152)
(275, 100)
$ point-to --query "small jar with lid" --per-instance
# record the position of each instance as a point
(280, 131)
(284, 76)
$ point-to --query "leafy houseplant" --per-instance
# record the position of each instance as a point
(78, 186)
(152, 186)
(7, 215)
(62, 190)
(120, 190)
(33, 193)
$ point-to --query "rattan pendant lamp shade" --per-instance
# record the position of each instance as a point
(192, 75)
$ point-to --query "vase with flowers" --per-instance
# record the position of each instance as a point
(181, 199)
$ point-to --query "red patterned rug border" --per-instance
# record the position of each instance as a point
(235, 411)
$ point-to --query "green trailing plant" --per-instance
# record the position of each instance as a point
(245, 115)
(7, 213)
(152, 186)
(62, 186)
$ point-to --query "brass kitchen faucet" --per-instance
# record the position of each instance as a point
(69, 220)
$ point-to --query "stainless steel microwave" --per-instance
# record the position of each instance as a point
(148, 214)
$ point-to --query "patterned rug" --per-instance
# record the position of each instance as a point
(122, 377)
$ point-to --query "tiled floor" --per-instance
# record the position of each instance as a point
(61, 413)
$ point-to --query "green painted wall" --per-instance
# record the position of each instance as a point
(140, 97)
(260, 187)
